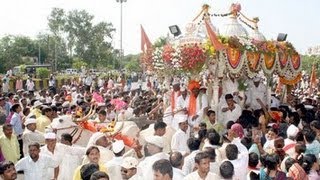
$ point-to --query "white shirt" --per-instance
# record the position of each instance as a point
(59, 154)
(179, 142)
(215, 167)
(88, 80)
(195, 176)
(229, 86)
(177, 174)
(29, 137)
(145, 166)
(36, 170)
(114, 167)
(256, 92)
(231, 115)
(5, 87)
(242, 161)
(67, 167)
(189, 162)
(30, 85)
(100, 82)
(182, 103)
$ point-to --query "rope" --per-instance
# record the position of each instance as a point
(246, 24)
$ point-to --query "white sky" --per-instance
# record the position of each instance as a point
(299, 19)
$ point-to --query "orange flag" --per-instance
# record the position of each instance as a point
(313, 77)
(145, 42)
(213, 38)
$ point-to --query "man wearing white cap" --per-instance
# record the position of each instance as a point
(154, 152)
(58, 151)
(180, 138)
(31, 135)
(289, 142)
(114, 165)
(256, 89)
(129, 169)
(100, 140)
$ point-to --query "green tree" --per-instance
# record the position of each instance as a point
(160, 42)
(82, 38)
(308, 61)
(57, 22)
(78, 63)
(42, 73)
(131, 63)
(14, 48)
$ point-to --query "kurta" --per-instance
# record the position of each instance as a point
(189, 163)
(183, 103)
(29, 137)
(177, 174)
(68, 166)
(114, 167)
(10, 148)
(230, 115)
(145, 166)
(42, 122)
(59, 155)
(254, 93)
(36, 170)
(179, 142)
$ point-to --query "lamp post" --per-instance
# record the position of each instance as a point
(39, 54)
(121, 49)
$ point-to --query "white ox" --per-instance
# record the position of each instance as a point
(81, 136)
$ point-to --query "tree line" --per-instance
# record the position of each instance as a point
(73, 40)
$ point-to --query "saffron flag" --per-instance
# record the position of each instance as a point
(313, 77)
(145, 42)
(213, 38)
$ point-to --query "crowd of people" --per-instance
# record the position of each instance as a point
(245, 136)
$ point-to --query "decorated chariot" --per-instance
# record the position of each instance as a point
(233, 50)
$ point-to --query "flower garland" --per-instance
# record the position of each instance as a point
(158, 63)
(209, 49)
(293, 81)
(167, 53)
(192, 58)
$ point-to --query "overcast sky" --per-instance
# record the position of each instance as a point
(299, 19)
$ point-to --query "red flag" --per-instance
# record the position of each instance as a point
(313, 77)
(145, 42)
(213, 38)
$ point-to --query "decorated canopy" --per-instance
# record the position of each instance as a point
(234, 51)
